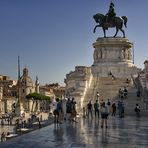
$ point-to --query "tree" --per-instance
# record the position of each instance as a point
(35, 97)
(38, 96)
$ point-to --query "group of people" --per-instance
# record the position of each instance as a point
(6, 120)
(108, 108)
(96, 107)
(64, 109)
(123, 93)
(103, 109)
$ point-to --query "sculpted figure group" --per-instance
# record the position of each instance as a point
(103, 54)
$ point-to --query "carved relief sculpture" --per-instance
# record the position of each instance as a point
(95, 55)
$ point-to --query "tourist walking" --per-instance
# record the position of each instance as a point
(96, 108)
(98, 96)
(114, 109)
(90, 109)
(39, 122)
(68, 109)
(73, 110)
(120, 93)
(55, 112)
(108, 105)
(64, 101)
(59, 111)
(104, 115)
(125, 92)
(137, 110)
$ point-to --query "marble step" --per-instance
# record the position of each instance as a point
(131, 112)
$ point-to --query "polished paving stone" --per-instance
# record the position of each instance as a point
(128, 132)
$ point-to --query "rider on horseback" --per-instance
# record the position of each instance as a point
(110, 20)
(111, 13)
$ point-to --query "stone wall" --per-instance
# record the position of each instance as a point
(77, 83)
(143, 76)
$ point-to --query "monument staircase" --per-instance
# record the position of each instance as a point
(106, 86)
(131, 101)
(108, 89)
(112, 66)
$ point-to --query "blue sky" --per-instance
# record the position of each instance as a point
(53, 36)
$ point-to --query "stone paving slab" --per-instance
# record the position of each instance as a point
(128, 132)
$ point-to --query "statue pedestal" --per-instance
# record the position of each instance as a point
(115, 56)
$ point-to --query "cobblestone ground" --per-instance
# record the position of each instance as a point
(128, 132)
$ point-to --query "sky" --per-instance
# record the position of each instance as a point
(53, 36)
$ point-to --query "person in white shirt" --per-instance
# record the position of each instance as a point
(104, 115)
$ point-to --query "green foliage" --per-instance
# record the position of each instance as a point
(37, 96)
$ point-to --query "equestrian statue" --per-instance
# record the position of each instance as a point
(110, 20)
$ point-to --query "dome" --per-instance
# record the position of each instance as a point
(25, 71)
(25, 80)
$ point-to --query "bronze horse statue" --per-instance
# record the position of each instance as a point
(114, 22)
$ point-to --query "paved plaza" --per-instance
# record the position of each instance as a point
(129, 132)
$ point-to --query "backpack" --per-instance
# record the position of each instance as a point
(136, 110)
(59, 106)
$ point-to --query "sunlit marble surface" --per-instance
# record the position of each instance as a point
(128, 132)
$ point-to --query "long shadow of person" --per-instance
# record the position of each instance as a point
(104, 137)
(58, 135)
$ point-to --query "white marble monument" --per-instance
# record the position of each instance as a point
(112, 56)
(115, 56)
